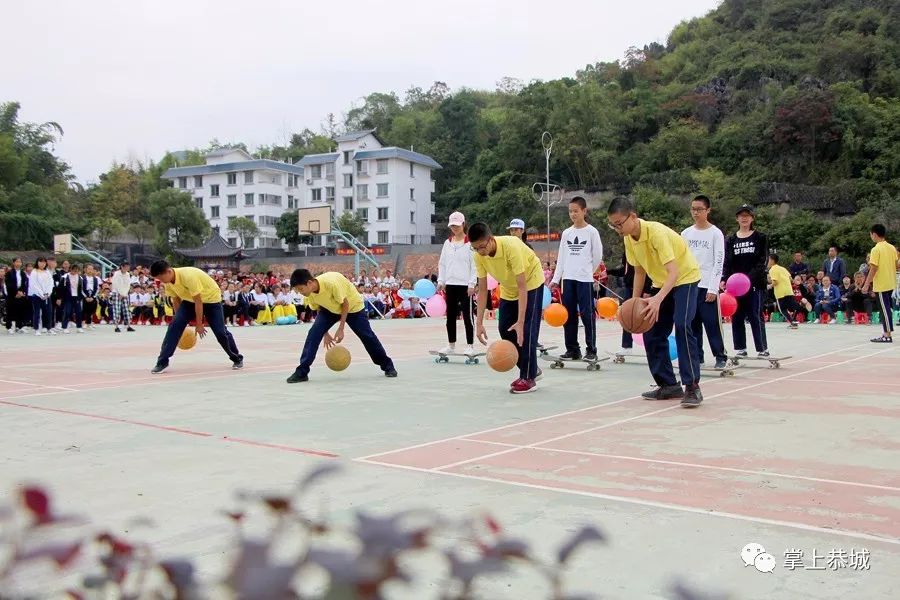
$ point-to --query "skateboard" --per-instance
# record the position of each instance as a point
(545, 350)
(445, 358)
(726, 372)
(558, 363)
(774, 361)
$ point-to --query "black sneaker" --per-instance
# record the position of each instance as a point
(130, 328)
(117, 330)
(666, 392)
(237, 364)
(390, 372)
(592, 356)
(692, 396)
(297, 378)
(763, 354)
(721, 363)
(159, 368)
(570, 355)
(741, 353)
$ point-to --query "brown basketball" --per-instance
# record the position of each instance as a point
(631, 317)
(502, 355)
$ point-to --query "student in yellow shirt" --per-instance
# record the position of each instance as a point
(337, 301)
(518, 270)
(883, 279)
(784, 291)
(663, 255)
(195, 295)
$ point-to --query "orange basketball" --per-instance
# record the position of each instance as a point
(556, 315)
(502, 355)
(607, 307)
(631, 317)
(188, 339)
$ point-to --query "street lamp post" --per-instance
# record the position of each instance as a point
(545, 192)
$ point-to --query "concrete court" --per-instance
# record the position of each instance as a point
(805, 457)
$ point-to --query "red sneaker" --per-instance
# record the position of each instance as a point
(515, 383)
(523, 386)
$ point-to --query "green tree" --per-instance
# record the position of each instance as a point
(142, 231)
(118, 196)
(350, 223)
(243, 228)
(177, 220)
(106, 228)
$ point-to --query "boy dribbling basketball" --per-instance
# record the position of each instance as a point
(661, 253)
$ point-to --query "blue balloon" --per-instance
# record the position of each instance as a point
(424, 289)
(548, 297)
(673, 348)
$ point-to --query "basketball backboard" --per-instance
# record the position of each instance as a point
(314, 221)
(62, 243)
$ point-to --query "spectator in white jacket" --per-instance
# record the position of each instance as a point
(456, 278)
(40, 287)
(118, 299)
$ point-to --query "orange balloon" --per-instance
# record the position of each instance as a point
(556, 315)
(607, 307)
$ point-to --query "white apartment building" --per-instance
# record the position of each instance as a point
(388, 187)
(234, 184)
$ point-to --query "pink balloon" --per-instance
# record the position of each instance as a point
(638, 339)
(492, 283)
(737, 285)
(436, 306)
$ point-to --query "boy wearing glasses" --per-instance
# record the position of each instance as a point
(661, 253)
(707, 243)
(518, 270)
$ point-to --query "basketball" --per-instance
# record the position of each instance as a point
(188, 339)
(337, 358)
(502, 355)
(556, 315)
(631, 318)
(607, 307)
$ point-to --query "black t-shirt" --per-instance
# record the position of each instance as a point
(748, 256)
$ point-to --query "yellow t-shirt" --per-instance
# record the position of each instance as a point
(781, 282)
(334, 288)
(190, 281)
(884, 256)
(512, 258)
(657, 246)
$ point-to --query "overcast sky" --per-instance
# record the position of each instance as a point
(133, 79)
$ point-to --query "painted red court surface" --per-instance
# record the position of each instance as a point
(802, 455)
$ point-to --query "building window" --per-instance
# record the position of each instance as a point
(182, 182)
(382, 237)
(362, 167)
(198, 202)
(382, 190)
(347, 155)
(348, 180)
(315, 172)
(362, 191)
(248, 199)
(290, 201)
(250, 217)
(329, 194)
(250, 243)
(412, 194)
(232, 200)
(198, 181)
(348, 202)
(316, 195)
(381, 166)
(363, 214)
(232, 179)
(412, 171)
(214, 191)
(329, 171)
(382, 213)
(213, 212)
(248, 177)
(412, 217)
(232, 242)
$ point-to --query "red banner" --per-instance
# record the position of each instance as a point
(351, 251)
(542, 237)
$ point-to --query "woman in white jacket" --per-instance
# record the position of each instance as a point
(40, 286)
(456, 277)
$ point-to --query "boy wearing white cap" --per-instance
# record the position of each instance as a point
(456, 277)
(517, 229)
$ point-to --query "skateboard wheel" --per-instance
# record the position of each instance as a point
(553, 366)
(437, 361)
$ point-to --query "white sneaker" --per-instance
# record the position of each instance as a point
(625, 351)
(79, 330)
(66, 331)
(815, 322)
(447, 350)
(38, 332)
(11, 331)
(52, 332)
(470, 350)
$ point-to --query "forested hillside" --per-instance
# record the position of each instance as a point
(789, 91)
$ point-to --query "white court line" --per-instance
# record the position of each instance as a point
(641, 416)
(580, 410)
(701, 466)
(845, 382)
(49, 387)
(650, 503)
